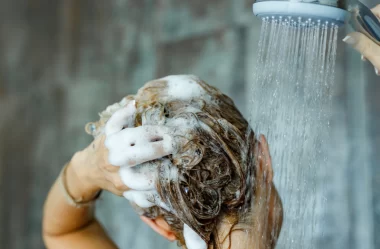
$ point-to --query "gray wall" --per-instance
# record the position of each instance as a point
(63, 61)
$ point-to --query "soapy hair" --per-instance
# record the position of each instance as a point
(213, 164)
(215, 161)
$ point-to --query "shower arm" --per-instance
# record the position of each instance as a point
(363, 20)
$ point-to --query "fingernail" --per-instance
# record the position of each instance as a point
(349, 40)
(377, 71)
(363, 58)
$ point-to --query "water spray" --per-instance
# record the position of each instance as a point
(291, 98)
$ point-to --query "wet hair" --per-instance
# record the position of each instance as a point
(213, 163)
(215, 160)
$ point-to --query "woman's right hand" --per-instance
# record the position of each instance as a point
(97, 167)
(91, 168)
(369, 49)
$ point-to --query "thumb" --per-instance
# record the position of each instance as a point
(365, 46)
(120, 118)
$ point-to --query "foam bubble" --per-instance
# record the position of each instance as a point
(125, 116)
(140, 177)
(192, 239)
(144, 199)
(184, 87)
(133, 146)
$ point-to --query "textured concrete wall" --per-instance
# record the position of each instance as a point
(63, 61)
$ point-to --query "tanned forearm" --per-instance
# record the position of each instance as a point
(67, 226)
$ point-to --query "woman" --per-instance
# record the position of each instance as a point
(252, 217)
(366, 46)
(185, 158)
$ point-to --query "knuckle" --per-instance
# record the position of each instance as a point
(366, 48)
(118, 184)
(110, 168)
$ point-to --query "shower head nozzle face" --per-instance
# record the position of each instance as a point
(303, 10)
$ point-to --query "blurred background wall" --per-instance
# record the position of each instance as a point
(63, 61)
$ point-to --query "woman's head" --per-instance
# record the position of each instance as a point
(217, 163)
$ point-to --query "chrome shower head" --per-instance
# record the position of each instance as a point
(333, 11)
(307, 9)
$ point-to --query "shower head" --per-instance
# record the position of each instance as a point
(333, 11)
(298, 9)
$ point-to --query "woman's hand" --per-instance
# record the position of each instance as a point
(90, 170)
(369, 49)
(91, 167)
(97, 167)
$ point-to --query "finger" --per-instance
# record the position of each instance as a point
(365, 46)
(118, 183)
(143, 199)
(144, 177)
(120, 118)
(140, 154)
(110, 188)
(376, 11)
(141, 177)
(139, 135)
(134, 146)
(166, 233)
(363, 58)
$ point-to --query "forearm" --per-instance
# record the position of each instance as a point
(60, 217)
(68, 225)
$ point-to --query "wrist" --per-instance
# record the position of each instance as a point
(79, 182)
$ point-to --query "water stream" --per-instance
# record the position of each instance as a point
(290, 103)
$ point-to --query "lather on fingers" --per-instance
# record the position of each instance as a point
(129, 146)
(120, 119)
(133, 146)
(144, 177)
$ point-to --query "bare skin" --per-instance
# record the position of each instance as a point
(65, 226)
(369, 50)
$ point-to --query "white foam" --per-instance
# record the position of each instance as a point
(192, 239)
(144, 177)
(143, 199)
(146, 199)
(140, 177)
(138, 145)
(114, 107)
(122, 117)
(133, 146)
(184, 87)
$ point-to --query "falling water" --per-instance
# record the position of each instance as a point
(290, 103)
